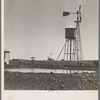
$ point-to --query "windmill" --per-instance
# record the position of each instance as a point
(73, 39)
(79, 14)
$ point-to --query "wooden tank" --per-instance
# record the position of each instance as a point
(70, 33)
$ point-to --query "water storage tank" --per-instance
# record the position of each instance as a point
(70, 33)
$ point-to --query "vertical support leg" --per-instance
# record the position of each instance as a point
(74, 50)
(70, 48)
(65, 50)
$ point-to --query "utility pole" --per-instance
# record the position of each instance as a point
(32, 59)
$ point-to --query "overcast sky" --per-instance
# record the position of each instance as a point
(36, 27)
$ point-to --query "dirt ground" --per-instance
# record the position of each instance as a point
(50, 81)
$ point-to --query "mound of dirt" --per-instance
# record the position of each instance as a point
(50, 81)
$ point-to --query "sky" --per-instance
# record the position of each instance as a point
(37, 27)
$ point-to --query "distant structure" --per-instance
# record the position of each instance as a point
(6, 56)
(73, 47)
(51, 55)
(32, 58)
(50, 58)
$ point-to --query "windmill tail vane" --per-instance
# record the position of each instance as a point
(79, 14)
(66, 13)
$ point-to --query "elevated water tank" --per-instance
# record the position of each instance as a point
(70, 33)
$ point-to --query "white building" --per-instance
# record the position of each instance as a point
(6, 57)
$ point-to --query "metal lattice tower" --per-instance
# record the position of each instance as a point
(73, 47)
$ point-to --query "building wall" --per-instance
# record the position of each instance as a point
(6, 57)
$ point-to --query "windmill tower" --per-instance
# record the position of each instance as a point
(73, 47)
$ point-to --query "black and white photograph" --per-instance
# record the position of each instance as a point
(51, 45)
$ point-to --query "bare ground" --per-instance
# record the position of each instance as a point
(50, 81)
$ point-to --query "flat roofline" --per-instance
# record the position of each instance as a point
(6, 51)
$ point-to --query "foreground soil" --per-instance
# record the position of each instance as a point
(50, 81)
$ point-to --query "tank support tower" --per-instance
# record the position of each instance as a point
(73, 47)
